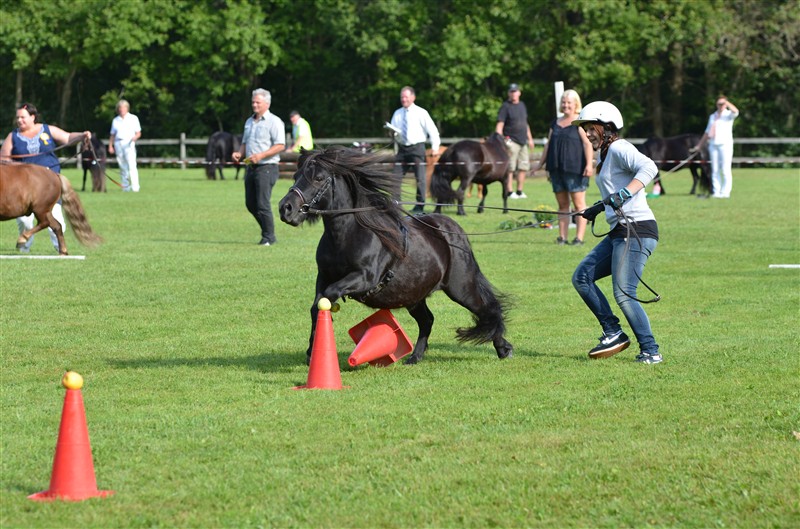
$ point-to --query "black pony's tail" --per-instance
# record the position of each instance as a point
(490, 318)
(441, 187)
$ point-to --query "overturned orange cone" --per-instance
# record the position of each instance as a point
(379, 340)
(73, 470)
(323, 370)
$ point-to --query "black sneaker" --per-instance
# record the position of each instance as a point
(649, 358)
(576, 242)
(610, 345)
(561, 241)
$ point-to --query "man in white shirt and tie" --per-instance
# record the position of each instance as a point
(415, 126)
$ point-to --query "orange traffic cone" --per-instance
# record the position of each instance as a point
(73, 471)
(380, 340)
(323, 370)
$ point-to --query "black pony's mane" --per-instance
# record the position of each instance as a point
(371, 185)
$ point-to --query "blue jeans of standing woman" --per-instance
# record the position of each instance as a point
(609, 257)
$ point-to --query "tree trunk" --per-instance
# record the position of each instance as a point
(658, 107)
(66, 96)
(18, 90)
(676, 90)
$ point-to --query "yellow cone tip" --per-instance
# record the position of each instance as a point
(324, 304)
(72, 380)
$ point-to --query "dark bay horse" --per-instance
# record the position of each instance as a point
(372, 252)
(93, 162)
(220, 148)
(35, 189)
(669, 153)
(470, 161)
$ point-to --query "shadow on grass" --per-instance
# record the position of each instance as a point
(286, 362)
(264, 363)
(188, 241)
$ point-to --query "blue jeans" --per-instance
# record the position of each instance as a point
(610, 258)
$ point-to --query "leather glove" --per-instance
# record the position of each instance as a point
(591, 212)
(616, 200)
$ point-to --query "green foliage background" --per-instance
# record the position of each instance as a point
(189, 65)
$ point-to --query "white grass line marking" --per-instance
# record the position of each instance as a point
(77, 257)
(784, 266)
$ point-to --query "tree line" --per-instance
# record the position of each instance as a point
(190, 65)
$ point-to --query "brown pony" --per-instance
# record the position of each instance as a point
(28, 188)
(470, 161)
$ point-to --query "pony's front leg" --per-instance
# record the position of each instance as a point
(424, 318)
(352, 283)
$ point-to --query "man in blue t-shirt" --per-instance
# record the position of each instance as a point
(512, 123)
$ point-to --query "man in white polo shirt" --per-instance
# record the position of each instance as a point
(125, 131)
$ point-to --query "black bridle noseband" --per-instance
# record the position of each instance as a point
(307, 206)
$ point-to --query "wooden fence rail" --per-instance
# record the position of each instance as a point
(384, 145)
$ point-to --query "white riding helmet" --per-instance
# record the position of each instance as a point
(601, 111)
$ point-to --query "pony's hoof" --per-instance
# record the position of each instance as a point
(505, 352)
(411, 360)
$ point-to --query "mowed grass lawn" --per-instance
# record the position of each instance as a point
(190, 338)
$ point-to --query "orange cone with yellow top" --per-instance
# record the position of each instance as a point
(73, 470)
(323, 370)
(379, 340)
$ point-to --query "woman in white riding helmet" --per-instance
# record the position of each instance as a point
(622, 174)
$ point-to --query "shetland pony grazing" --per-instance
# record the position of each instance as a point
(220, 148)
(670, 153)
(35, 189)
(470, 162)
(371, 251)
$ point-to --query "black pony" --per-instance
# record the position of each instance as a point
(221, 146)
(373, 252)
(470, 161)
(669, 154)
(94, 161)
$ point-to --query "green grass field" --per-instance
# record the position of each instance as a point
(191, 337)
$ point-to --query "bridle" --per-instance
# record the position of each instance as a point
(307, 206)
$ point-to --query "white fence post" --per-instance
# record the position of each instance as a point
(183, 150)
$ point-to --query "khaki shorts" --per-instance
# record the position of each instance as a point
(519, 158)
